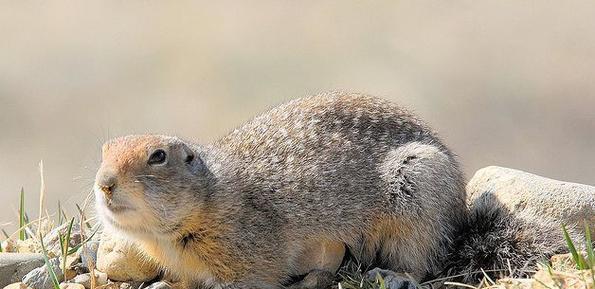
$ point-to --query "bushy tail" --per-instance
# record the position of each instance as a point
(503, 244)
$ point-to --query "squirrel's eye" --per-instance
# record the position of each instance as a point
(157, 157)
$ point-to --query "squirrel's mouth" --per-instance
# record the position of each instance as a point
(114, 208)
(117, 209)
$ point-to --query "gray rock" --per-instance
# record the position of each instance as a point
(89, 253)
(568, 203)
(39, 278)
(158, 285)
(13, 266)
(71, 286)
(85, 279)
(392, 280)
(52, 239)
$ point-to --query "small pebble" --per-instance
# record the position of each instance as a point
(158, 285)
(71, 286)
(17, 285)
(85, 279)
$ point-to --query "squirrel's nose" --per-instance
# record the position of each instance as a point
(107, 184)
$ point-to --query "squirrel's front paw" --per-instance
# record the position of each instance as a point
(315, 279)
(392, 280)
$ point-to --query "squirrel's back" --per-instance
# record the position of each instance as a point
(352, 168)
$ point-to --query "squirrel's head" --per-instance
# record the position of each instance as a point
(148, 184)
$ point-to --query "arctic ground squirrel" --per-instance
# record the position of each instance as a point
(286, 196)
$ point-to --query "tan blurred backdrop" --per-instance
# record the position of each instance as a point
(507, 83)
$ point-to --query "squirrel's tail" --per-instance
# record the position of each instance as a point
(502, 243)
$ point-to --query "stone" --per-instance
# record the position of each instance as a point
(568, 203)
(69, 274)
(72, 262)
(39, 278)
(101, 278)
(563, 262)
(88, 253)
(114, 285)
(392, 280)
(85, 279)
(515, 283)
(122, 261)
(27, 246)
(17, 285)
(71, 286)
(52, 239)
(9, 246)
(159, 285)
(13, 266)
(548, 279)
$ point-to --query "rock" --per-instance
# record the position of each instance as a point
(71, 286)
(73, 261)
(563, 262)
(17, 285)
(515, 283)
(115, 285)
(548, 279)
(9, 246)
(13, 266)
(159, 285)
(88, 253)
(122, 261)
(567, 203)
(52, 239)
(69, 274)
(85, 279)
(27, 246)
(39, 278)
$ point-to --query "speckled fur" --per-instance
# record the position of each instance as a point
(498, 241)
(335, 166)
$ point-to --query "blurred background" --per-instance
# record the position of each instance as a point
(507, 83)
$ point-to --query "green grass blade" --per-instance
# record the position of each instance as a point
(50, 268)
(22, 216)
(5, 234)
(380, 281)
(65, 244)
(76, 247)
(68, 234)
(590, 254)
(570, 245)
(61, 239)
(578, 259)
